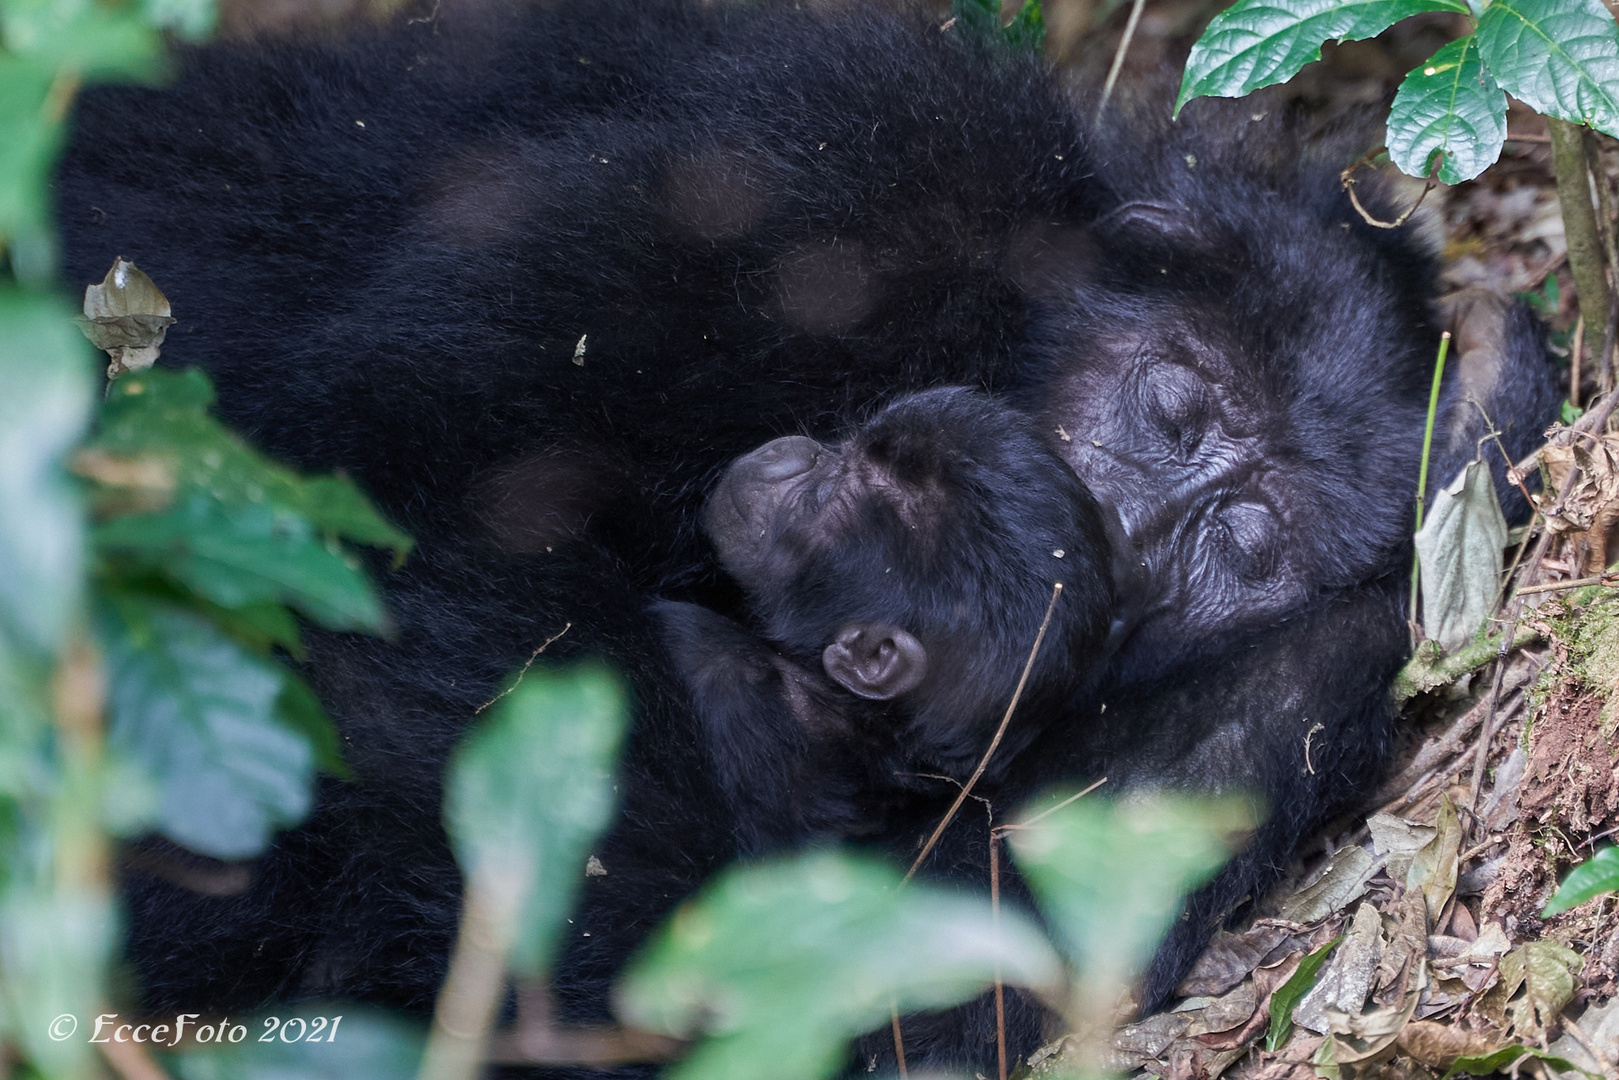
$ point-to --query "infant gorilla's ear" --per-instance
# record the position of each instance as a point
(875, 660)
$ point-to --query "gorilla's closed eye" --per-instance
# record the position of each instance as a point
(1252, 531)
(1178, 402)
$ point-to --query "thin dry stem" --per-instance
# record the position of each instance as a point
(1000, 733)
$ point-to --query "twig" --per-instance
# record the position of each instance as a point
(1610, 579)
(1597, 1055)
(899, 1043)
(1025, 823)
(1118, 62)
(1487, 729)
(1347, 179)
(1576, 353)
(1000, 732)
(535, 655)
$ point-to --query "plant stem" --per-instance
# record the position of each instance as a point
(1569, 161)
(1427, 448)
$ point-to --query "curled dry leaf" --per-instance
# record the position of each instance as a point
(1590, 504)
(1439, 1045)
(1342, 882)
(1347, 982)
(1537, 980)
(1230, 958)
(127, 316)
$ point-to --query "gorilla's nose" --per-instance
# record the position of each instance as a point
(783, 459)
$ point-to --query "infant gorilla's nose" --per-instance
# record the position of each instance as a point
(783, 459)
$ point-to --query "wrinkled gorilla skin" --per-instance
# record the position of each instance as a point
(744, 223)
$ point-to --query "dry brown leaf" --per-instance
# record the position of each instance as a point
(1223, 1013)
(1347, 980)
(1537, 980)
(127, 316)
(1582, 515)
(1369, 1035)
(1433, 868)
(1438, 1045)
(1229, 959)
(1342, 882)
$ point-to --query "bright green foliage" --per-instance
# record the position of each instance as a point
(778, 965)
(1110, 875)
(363, 1045)
(47, 380)
(1256, 43)
(1558, 56)
(1290, 993)
(1450, 107)
(1598, 874)
(529, 791)
(202, 716)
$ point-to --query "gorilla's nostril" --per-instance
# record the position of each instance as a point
(785, 458)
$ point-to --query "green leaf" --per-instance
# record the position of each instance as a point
(204, 718)
(780, 964)
(362, 1043)
(1256, 43)
(1596, 875)
(1502, 1060)
(528, 792)
(82, 36)
(29, 140)
(1460, 548)
(1027, 30)
(1110, 875)
(190, 501)
(1558, 56)
(48, 387)
(1290, 993)
(54, 947)
(300, 709)
(1451, 107)
(190, 19)
(240, 555)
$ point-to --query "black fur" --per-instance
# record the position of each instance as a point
(746, 222)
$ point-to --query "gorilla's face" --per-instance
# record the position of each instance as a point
(1205, 399)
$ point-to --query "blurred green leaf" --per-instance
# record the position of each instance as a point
(191, 19)
(1257, 43)
(1596, 875)
(80, 37)
(48, 390)
(364, 1045)
(529, 790)
(1459, 546)
(780, 964)
(54, 946)
(190, 501)
(1560, 57)
(29, 141)
(1449, 106)
(1027, 30)
(204, 717)
(1110, 875)
(1290, 993)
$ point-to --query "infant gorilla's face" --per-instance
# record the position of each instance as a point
(762, 516)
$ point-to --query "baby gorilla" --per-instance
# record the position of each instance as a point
(898, 580)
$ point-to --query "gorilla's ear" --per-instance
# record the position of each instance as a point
(875, 660)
